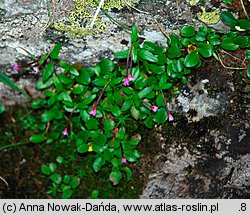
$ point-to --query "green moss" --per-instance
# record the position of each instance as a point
(80, 19)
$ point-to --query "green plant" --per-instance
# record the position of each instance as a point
(65, 184)
(91, 109)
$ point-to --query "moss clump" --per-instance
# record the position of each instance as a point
(80, 19)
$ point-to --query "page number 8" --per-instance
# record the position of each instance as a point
(243, 207)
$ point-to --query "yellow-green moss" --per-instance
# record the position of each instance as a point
(209, 17)
(81, 17)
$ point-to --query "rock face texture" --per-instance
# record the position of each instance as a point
(205, 152)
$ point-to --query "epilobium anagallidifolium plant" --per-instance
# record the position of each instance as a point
(93, 108)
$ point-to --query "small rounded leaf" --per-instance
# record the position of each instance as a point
(187, 31)
(37, 138)
(192, 59)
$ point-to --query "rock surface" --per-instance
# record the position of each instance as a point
(205, 152)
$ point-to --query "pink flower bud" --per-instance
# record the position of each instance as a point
(131, 78)
(125, 82)
(93, 111)
(170, 117)
(65, 132)
(154, 108)
(16, 67)
(124, 160)
(36, 69)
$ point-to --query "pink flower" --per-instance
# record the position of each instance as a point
(16, 67)
(125, 82)
(154, 108)
(65, 132)
(131, 78)
(36, 69)
(170, 117)
(93, 111)
(124, 160)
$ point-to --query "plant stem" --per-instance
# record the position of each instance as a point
(98, 100)
(165, 102)
(12, 145)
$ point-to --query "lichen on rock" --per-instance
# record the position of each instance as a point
(79, 20)
(209, 18)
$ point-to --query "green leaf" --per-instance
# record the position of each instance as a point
(115, 110)
(40, 85)
(121, 134)
(161, 115)
(228, 1)
(73, 71)
(244, 25)
(177, 65)
(134, 34)
(2, 108)
(129, 173)
(59, 159)
(64, 79)
(48, 71)
(5, 79)
(135, 113)
(67, 193)
(66, 179)
(57, 84)
(83, 77)
(146, 55)
(248, 54)
(92, 124)
(56, 178)
(52, 167)
(122, 54)
(75, 182)
(206, 50)
(201, 36)
(49, 115)
(214, 39)
(159, 100)
(54, 54)
(98, 163)
(115, 177)
(126, 105)
(229, 19)
(79, 89)
(45, 170)
(84, 136)
(95, 194)
(135, 139)
(37, 138)
(229, 44)
(243, 42)
(140, 83)
(163, 82)
(145, 92)
(100, 140)
(174, 52)
(107, 66)
(149, 122)
(192, 59)
(109, 125)
(118, 98)
(100, 81)
(108, 156)
(82, 148)
(187, 31)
